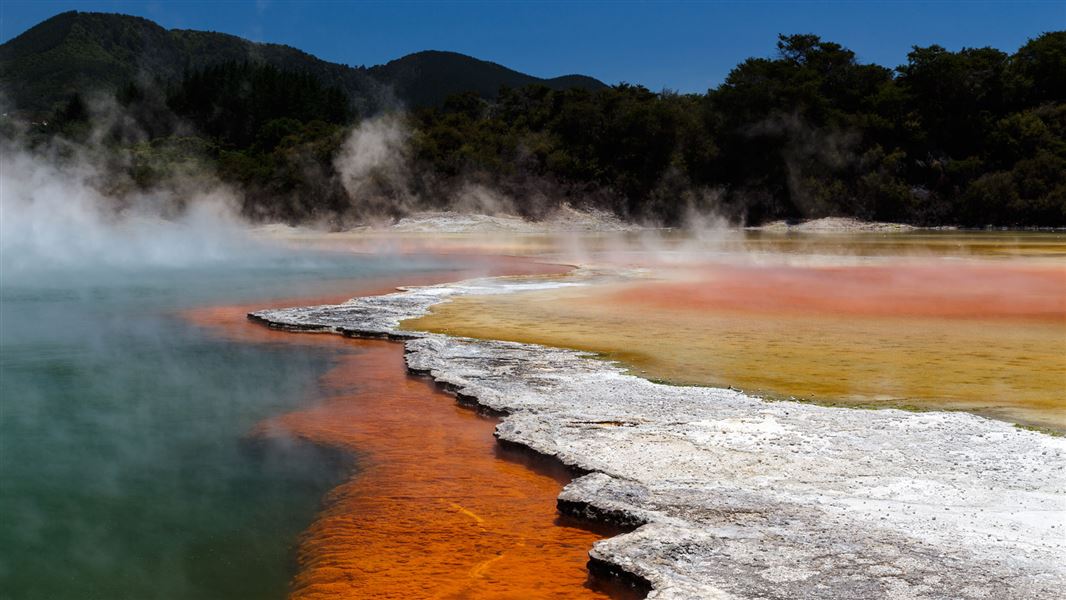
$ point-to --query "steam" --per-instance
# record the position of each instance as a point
(71, 206)
(54, 216)
(384, 183)
(378, 172)
(808, 152)
(373, 166)
(480, 199)
(74, 206)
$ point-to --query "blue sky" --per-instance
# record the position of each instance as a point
(687, 46)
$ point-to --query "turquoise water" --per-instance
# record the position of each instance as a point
(124, 470)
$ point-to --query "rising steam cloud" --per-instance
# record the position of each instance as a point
(54, 216)
(383, 182)
(59, 208)
(373, 166)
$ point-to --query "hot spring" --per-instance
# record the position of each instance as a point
(127, 466)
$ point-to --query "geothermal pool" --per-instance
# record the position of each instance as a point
(125, 456)
(153, 443)
(946, 321)
(435, 508)
(734, 491)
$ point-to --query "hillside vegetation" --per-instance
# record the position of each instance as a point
(87, 52)
(974, 137)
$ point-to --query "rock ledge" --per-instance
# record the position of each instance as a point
(731, 496)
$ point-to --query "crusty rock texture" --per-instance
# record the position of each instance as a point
(732, 496)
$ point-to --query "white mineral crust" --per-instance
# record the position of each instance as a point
(738, 497)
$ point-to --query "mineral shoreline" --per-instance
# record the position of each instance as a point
(735, 497)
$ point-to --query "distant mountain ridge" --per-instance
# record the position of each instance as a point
(428, 77)
(87, 51)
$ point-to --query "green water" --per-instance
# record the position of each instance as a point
(123, 472)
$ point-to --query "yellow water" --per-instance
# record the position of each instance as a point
(987, 336)
(583, 246)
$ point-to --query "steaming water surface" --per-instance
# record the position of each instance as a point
(128, 463)
(125, 467)
(961, 321)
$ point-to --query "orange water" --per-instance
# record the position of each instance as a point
(436, 509)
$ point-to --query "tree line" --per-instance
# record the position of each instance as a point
(975, 137)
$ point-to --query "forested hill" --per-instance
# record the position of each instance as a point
(971, 137)
(83, 52)
(428, 78)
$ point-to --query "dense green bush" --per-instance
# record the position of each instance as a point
(975, 137)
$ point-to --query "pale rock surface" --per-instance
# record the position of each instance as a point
(737, 497)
